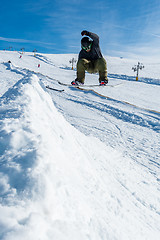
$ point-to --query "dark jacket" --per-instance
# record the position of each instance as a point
(95, 51)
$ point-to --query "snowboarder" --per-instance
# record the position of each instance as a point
(90, 59)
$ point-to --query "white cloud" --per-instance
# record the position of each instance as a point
(23, 41)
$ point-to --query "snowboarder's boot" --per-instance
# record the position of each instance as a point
(103, 82)
(76, 82)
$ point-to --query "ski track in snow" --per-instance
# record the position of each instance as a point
(106, 189)
(110, 115)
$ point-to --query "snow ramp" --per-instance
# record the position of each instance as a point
(56, 183)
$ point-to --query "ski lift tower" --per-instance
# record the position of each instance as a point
(136, 68)
(22, 49)
(72, 61)
(35, 50)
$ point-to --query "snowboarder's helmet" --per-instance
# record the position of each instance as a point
(86, 43)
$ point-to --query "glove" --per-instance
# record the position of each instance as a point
(84, 32)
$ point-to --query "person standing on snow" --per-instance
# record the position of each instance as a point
(90, 59)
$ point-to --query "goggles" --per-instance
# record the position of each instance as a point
(88, 47)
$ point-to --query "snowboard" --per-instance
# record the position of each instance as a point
(89, 85)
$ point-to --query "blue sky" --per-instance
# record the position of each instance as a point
(126, 27)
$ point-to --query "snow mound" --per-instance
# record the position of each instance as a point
(46, 165)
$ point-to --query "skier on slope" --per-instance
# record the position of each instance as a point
(90, 59)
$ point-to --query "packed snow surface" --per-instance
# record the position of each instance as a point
(80, 164)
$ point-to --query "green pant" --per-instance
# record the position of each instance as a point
(91, 66)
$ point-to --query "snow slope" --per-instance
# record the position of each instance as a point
(78, 164)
